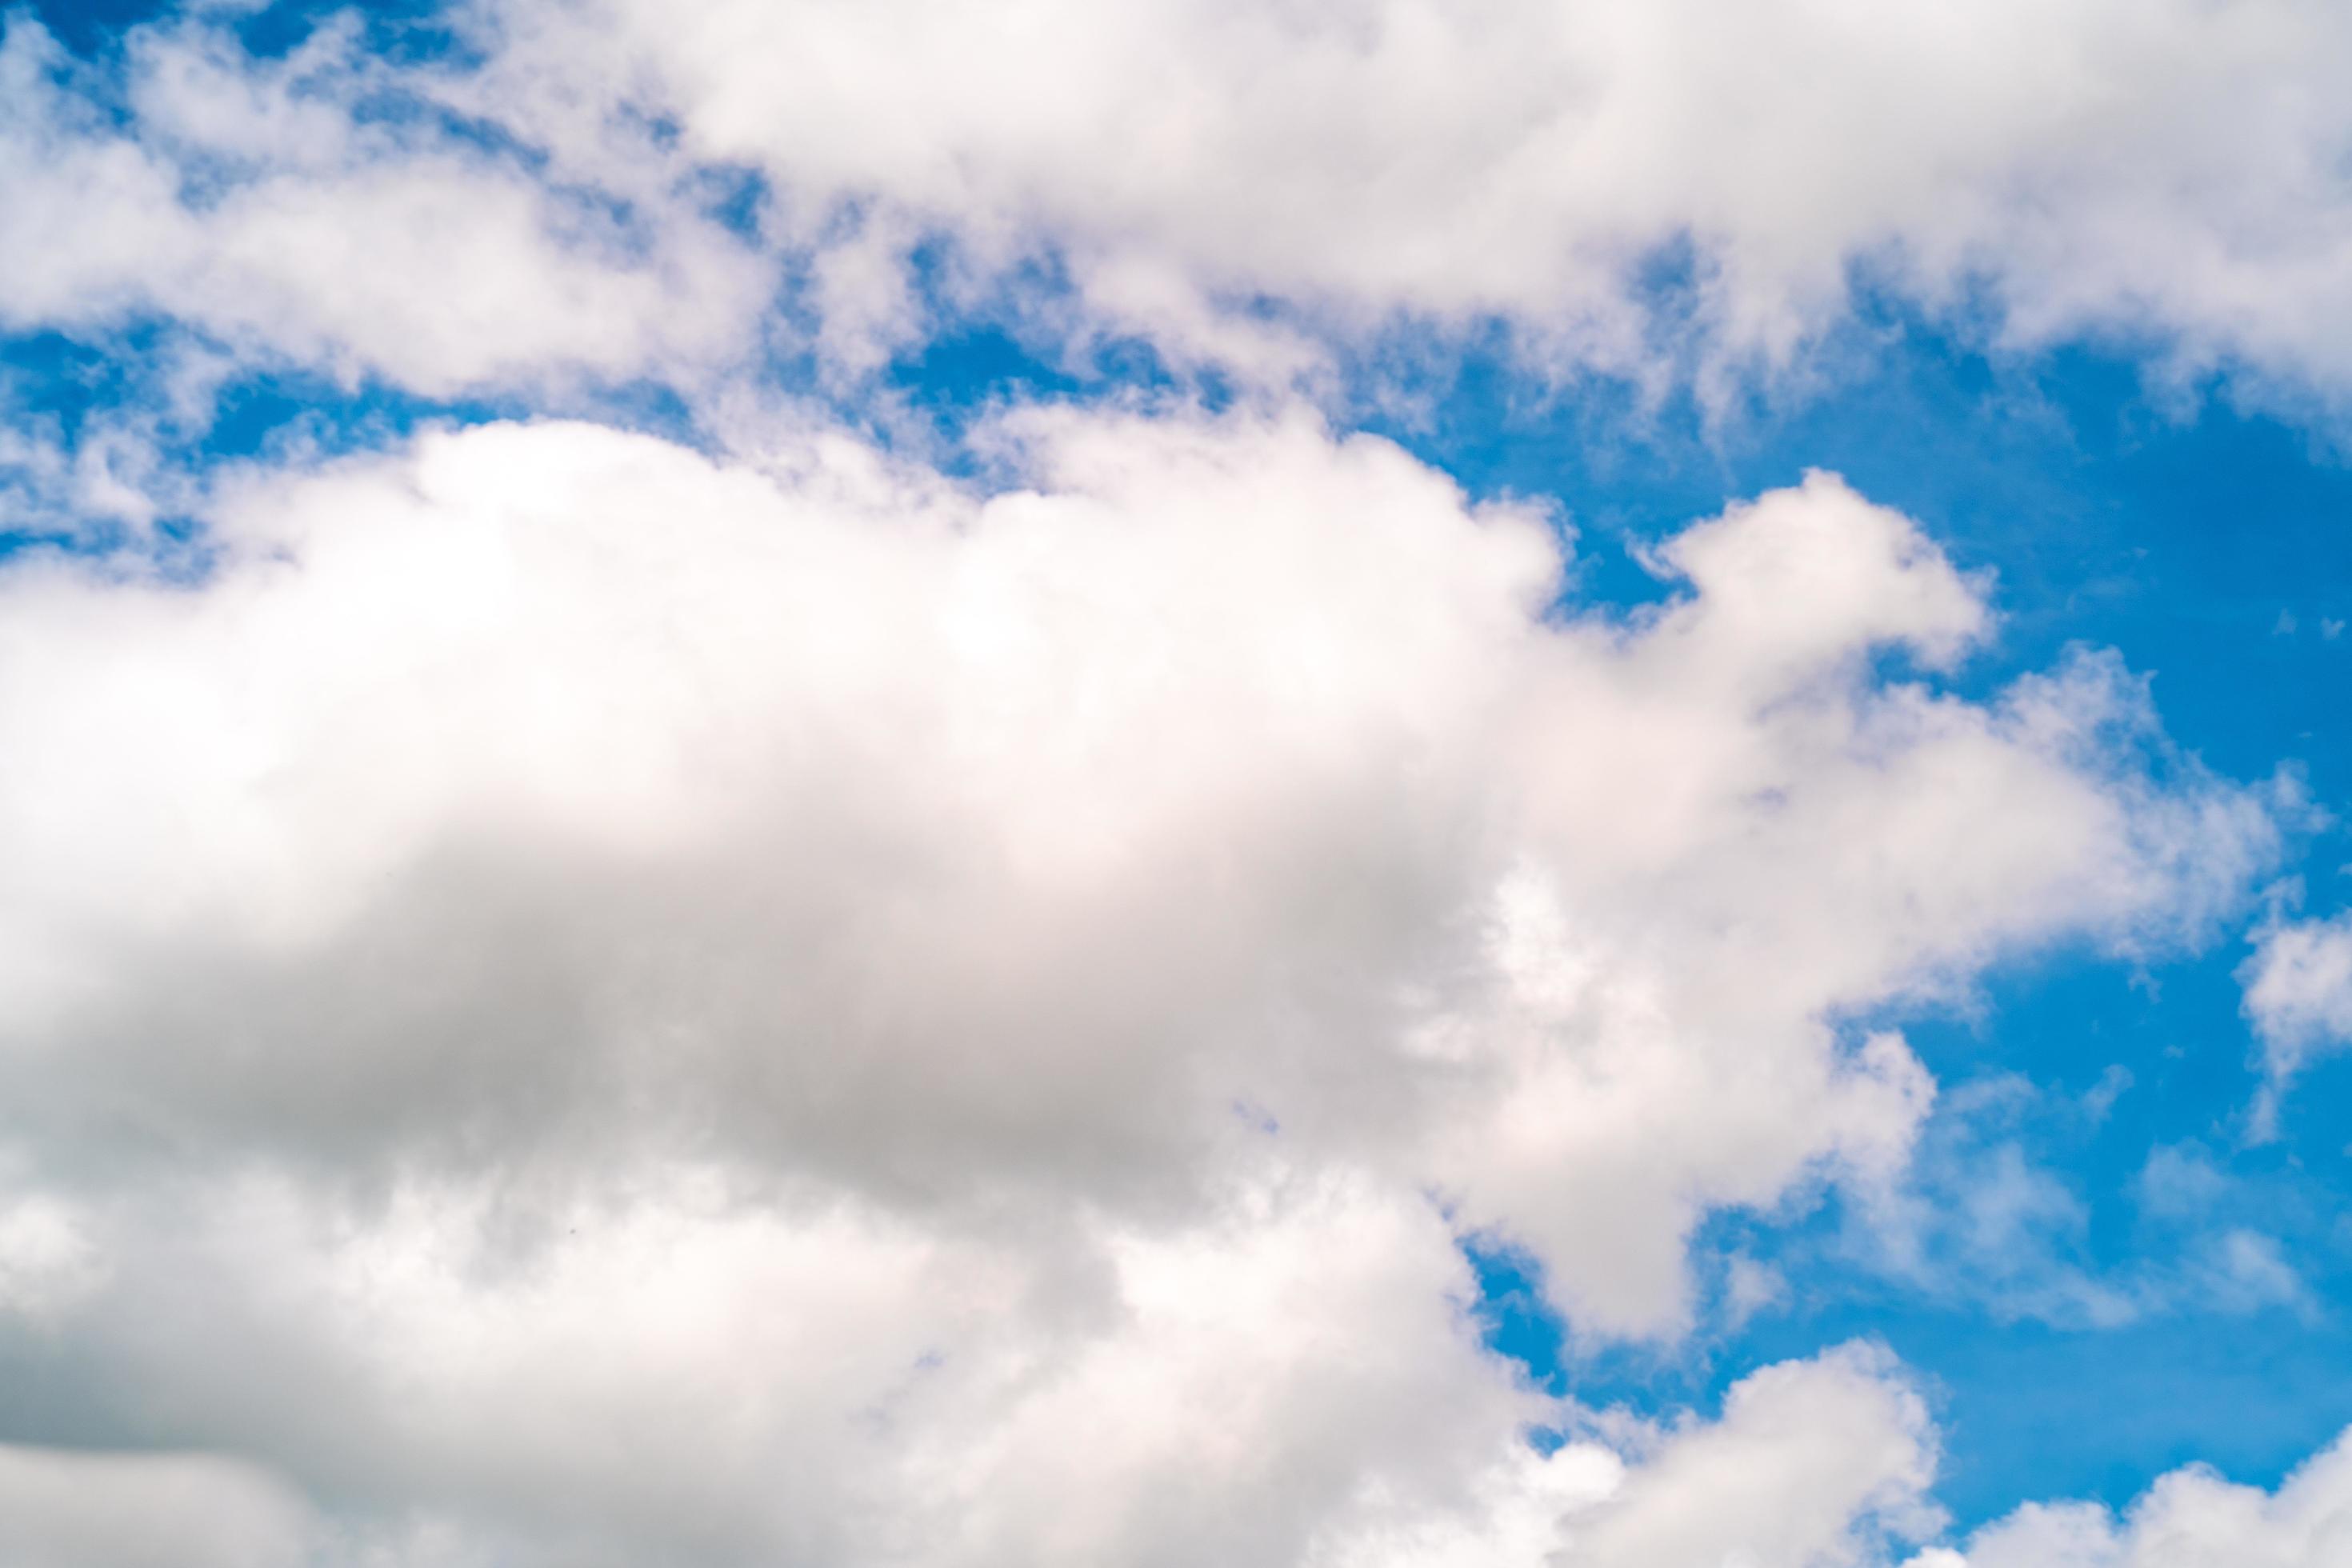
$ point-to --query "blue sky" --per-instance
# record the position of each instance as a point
(943, 786)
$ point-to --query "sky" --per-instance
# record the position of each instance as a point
(1331, 784)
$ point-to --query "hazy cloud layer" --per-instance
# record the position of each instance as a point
(2298, 986)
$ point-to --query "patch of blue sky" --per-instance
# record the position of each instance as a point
(261, 414)
(290, 413)
(71, 383)
(88, 26)
(67, 395)
(734, 196)
(400, 31)
(396, 30)
(998, 342)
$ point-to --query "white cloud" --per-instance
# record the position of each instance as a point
(2246, 1271)
(1291, 1379)
(703, 1008)
(1235, 765)
(2191, 1518)
(689, 1367)
(568, 1000)
(2298, 993)
(65, 1509)
(1751, 1287)
(46, 1258)
(2175, 169)
(2168, 174)
(1811, 1465)
(2181, 1182)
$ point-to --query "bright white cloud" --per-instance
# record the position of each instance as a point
(710, 1007)
(2191, 1518)
(2174, 170)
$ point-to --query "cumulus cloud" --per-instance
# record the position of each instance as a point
(576, 999)
(1811, 1465)
(2192, 1517)
(832, 816)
